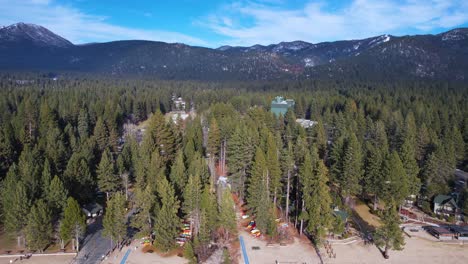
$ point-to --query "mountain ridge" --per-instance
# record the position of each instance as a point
(440, 56)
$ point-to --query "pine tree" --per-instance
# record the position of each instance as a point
(83, 124)
(16, 206)
(288, 167)
(192, 199)
(352, 167)
(240, 153)
(7, 147)
(39, 226)
(316, 195)
(407, 154)
(373, 176)
(214, 139)
(178, 177)
(144, 204)
(30, 171)
(459, 144)
(46, 178)
(56, 196)
(101, 134)
(107, 180)
(227, 214)
(209, 208)
(320, 139)
(159, 137)
(197, 166)
(257, 182)
(189, 253)
(167, 224)
(395, 184)
(389, 235)
(115, 220)
(73, 223)
(336, 159)
(78, 178)
(274, 170)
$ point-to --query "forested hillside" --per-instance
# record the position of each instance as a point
(444, 56)
(60, 146)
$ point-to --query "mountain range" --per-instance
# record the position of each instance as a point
(29, 47)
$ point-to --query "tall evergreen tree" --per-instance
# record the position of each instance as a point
(115, 220)
(56, 196)
(178, 176)
(214, 139)
(73, 224)
(352, 167)
(389, 235)
(192, 201)
(39, 226)
(274, 170)
(83, 124)
(408, 158)
(227, 214)
(144, 203)
(167, 222)
(395, 185)
(159, 137)
(16, 206)
(318, 201)
(108, 181)
(101, 134)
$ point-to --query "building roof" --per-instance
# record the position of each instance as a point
(462, 230)
(444, 199)
(341, 214)
(440, 230)
(280, 106)
(92, 208)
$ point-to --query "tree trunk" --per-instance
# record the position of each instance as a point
(274, 198)
(386, 252)
(73, 244)
(19, 241)
(77, 243)
(375, 202)
(302, 220)
(287, 196)
(62, 244)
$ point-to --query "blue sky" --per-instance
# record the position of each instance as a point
(213, 23)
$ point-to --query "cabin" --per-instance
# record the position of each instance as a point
(279, 106)
(92, 210)
(445, 205)
(440, 233)
(306, 123)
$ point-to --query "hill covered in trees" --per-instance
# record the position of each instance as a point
(60, 147)
(437, 57)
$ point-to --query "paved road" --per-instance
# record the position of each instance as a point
(94, 245)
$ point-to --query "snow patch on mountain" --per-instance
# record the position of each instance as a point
(30, 32)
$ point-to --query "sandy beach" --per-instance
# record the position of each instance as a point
(418, 249)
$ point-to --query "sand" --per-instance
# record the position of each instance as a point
(39, 260)
(298, 252)
(138, 257)
(418, 249)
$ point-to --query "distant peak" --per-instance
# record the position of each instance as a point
(34, 33)
(225, 47)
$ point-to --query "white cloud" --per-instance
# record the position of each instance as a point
(272, 23)
(79, 27)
